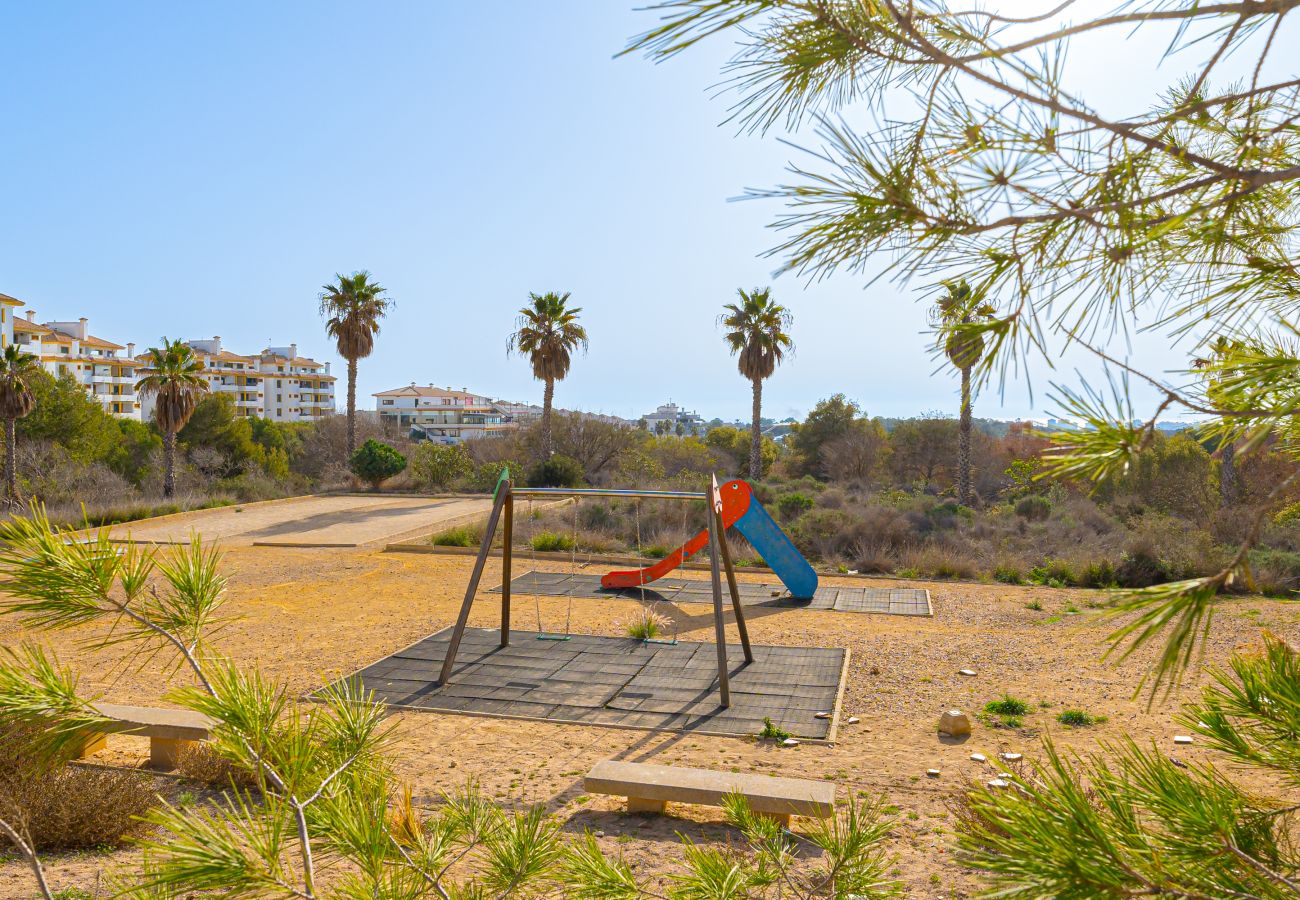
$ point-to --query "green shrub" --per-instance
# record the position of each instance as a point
(434, 466)
(1053, 573)
(656, 551)
(792, 506)
(773, 732)
(1034, 508)
(1098, 574)
(375, 463)
(1008, 574)
(459, 536)
(1077, 718)
(550, 541)
(1034, 605)
(557, 471)
(1007, 706)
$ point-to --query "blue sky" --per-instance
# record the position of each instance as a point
(198, 169)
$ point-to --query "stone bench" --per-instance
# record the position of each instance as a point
(170, 731)
(649, 787)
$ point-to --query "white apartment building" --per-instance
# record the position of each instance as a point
(275, 384)
(441, 414)
(106, 370)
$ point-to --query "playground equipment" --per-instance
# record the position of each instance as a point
(715, 535)
(742, 511)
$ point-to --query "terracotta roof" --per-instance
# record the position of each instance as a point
(416, 390)
(56, 336)
(5, 298)
(21, 324)
(227, 356)
(92, 341)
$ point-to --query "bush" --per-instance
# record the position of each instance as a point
(1007, 706)
(375, 463)
(1099, 574)
(1053, 573)
(1008, 574)
(551, 542)
(1034, 508)
(459, 536)
(1077, 718)
(69, 807)
(434, 466)
(201, 762)
(557, 471)
(792, 506)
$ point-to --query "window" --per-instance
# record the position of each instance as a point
(388, 403)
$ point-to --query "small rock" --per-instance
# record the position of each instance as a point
(979, 757)
(853, 571)
(1182, 739)
(997, 783)
(789, 742)
(600, 834)
(954, 723)
(1011, 757)
(969, 673)
(823, 715)
(933, 773)
(853, 720)
(1178, 762)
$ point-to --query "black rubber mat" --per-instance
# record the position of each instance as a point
(888, 601)
(615, 681)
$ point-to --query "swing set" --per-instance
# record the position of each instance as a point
(503, 516)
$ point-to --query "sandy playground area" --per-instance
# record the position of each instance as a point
(309, 615)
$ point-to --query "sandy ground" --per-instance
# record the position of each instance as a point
(306, 616)
(340, 520)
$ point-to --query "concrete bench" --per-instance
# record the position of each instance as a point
(170, 731)
(649, 787)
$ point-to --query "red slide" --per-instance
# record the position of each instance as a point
(735, 503)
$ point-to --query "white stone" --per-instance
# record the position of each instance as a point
(853, 720)
(997, 783)
(823, 715)
(979, 757)
(1011, 757)
(789, 742)
(1182, 739)
(933, 773)
(969, 673)
(954, 723)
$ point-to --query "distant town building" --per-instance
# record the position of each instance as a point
(672, 419)
(442, 415)
(275, 383)
(106, 370)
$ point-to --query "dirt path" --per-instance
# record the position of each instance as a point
(343, 520)
(306, 616)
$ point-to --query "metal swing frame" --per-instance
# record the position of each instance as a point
(503, 516)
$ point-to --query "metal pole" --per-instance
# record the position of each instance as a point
(458, 632)
(603, 492)
(734, 588)
(507, 537)
(719, 632)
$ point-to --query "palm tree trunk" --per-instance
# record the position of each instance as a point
(1229, 483)
(965, 494)
(169, 463)
(11, 463)
(548, 396)
(756, 433)
(352, 407)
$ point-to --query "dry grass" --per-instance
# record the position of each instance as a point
(202, 763)
(70, 807)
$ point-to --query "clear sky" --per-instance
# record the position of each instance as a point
(189, 170)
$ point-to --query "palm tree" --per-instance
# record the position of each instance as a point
(756, 333)
(548, 333)
(964, 348)
(174, 377)
(353, 308)
(16, 401)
